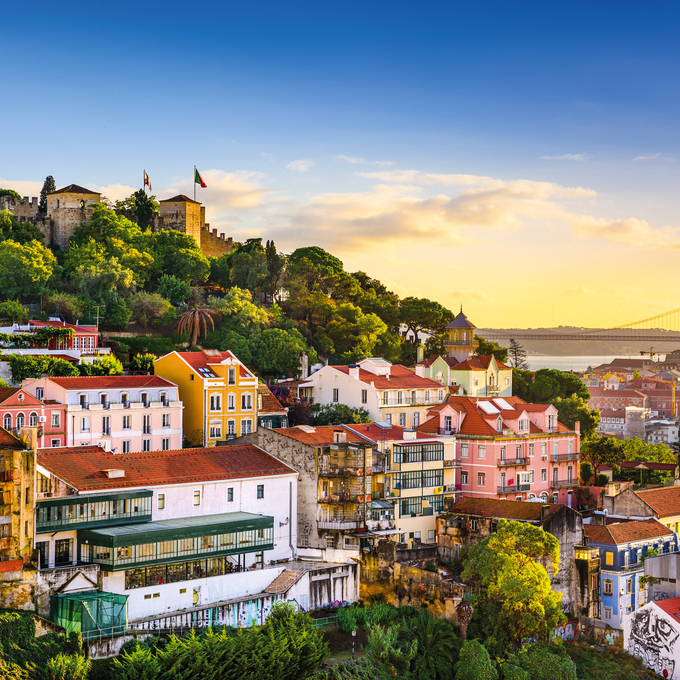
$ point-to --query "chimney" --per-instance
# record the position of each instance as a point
(545, 512)
(577, 427)
(420, 371)
(409, 434)
(598, 519)
(420, 353)
(354, 371)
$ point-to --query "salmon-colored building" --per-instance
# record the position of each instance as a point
(20, 409)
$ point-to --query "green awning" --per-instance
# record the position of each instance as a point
(92, 498)
(382, 504)
(173, 529)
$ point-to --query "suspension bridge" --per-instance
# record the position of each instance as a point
(660, 328)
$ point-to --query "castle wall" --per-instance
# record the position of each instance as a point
(214, 244)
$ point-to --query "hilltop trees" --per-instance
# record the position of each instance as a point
(48, 187)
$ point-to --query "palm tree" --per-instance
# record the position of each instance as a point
(192, 320)
(464, 611)
(435, 644)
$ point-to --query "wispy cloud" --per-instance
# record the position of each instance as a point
(23, 187)
(362, 161)
(654, 157)
(115, 192)
(567, 157)
(266, 155)
(300, 166)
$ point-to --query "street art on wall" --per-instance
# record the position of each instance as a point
(652, 638)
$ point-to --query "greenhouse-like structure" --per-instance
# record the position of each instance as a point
(92, 613)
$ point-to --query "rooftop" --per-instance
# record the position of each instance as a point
(323, 435)
(82, 467)
(461, 321)
(492, 507)
(626, 532)
(375, 434)
(400, 378)
(75, 189)
(180, 198)
(664, 502)
(112, 382)
(270, 404)
(62, 324)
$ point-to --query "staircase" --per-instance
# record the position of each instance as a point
(284, 581)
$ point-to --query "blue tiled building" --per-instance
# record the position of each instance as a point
(622, 547)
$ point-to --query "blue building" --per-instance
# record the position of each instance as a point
(622, 547)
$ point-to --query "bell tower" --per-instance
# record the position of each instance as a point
(461, 342)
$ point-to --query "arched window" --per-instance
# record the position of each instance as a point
(532, 495)
(20, 420)
(7, 421)
(33, 420)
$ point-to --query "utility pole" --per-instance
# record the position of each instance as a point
(98, 307)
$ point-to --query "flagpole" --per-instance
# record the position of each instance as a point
(194, 182)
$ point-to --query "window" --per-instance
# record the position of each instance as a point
(402, 420)
(330, 542)
(336, 395)
(464, 477)
(246, 426)
(544, 475)
(197, 497)
(85, 424)
(231, 380)
(146, 424)
(62, 551)
(166, 420)
(609, 558)
(146, 445)
(416, 419)
(125, 398)
(430, 535)
(127, 422)
(463, 450)
(544, 450)
(531, 476)
(629, 586)
(607, 586)
(191, 377)
(20, 421)
(165, 443)
(364, 396)
(556, 448)
(33, 420)
(161, 501)
(260, 490)
(145, 398)
(531, 450)
(230, 494)
(126, 446)
(231, 427)
(481, 479)
(106, 425)
(441, 395)
(215, 402)
(474, 525)
(388, 418)
(215, 430)
(39, 393)
(7, 421)
(427, 396)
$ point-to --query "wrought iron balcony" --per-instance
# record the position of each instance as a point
(563, 483)
(564, 457)
(506, 462)
(513, 488)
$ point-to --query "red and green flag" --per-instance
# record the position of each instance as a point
(199, 180)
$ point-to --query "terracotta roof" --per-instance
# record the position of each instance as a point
(601, 392)
(670, 606)
(62, 324)
(75, 189)
(7, 392)
(9, 441)
(400, 378)
(376, 434)
(664, 502)
(430, 426)
(625, 532)
(213, 357)
(270, 404)
(461, 321)
(9, 396)
(321, 436)
(111, 382)
(82, 467)
(180, 198)
(647, 465)
(611, 413)
(492, 507)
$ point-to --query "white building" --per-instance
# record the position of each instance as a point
(390, 393)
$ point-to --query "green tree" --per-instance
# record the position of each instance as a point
(278, 352)
(68, 667)
(25, 268)
(178, 254)
(48, 187)
(587, 472)
(105, 277)
(546, 385)
(21, 232)
(249, 269)
(488, 347)
(149, 307)
(30, 366)
(437, 647)
(105, 365)
(276, 265)
(174, 289)
(516, 599)
(193, 320)
(542, 664)
(573, 409)
(143, 363)
(143, 206)
(69, 306)
(518, 356)
(14, 310)
(339, 414)
(475, 663)
(238, 309)
(423, 315)
(115, 313)
(602, 451)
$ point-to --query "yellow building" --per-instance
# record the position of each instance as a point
(218, 391)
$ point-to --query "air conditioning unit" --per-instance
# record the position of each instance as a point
(42, 419)
(544, 457)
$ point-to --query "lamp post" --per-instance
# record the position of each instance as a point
(354, 637)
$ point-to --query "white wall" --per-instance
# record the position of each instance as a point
(328, 379)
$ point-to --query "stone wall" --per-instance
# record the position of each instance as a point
(214, 244)
(626, 504)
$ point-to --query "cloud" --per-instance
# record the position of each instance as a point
(471, 295)
(349, 159)
(566, 157)
(22, 187)
(630, 232)
(266, 155)
(300, 166)
(114, 192)
(646, 158)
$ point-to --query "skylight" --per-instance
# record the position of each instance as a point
(206, 372)
(488, 407)
(501, 403)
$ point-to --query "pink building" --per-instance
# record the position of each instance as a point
(509, 449)
(122, 412)
(20, 409)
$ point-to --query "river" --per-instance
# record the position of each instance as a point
(575, 362)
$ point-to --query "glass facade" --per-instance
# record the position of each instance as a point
(417, 453)
(417, 480)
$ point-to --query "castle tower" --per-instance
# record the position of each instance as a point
(461, 342)
(67, 208)
(181, 213)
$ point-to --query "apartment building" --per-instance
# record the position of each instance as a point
(509, 449)
(122, 412)
(473, 377)
(20, 409)
(218, 391)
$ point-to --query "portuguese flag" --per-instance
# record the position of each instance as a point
(199, 180)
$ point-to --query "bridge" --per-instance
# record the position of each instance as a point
(660, 328)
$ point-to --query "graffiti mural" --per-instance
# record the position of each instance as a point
(652, 638)
(567, 631)
(660, 595)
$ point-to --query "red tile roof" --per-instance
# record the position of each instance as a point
(270, 404)
(611, 413)
(208, 358)
(180, 198)
(626, 532)
(112, 382)
(400, 378)
(492, 507)
(376, 434)
(89, 330)
(9, 396)
(75, 189)
(671, 606)
(9, 441)
(82, 466)
(664, 502)
(321, 436)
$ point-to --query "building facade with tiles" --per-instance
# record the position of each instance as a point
(121, 412)
(509, 449)
(218, 391)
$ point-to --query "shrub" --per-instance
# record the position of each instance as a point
(512, 672)
(602, 480)
(143, 362)
(13, 309)
(475, 663)
(586, 471)
(543, 663)
(68, 667)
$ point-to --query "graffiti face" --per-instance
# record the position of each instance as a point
(652, 638)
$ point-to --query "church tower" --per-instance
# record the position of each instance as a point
(461, 343)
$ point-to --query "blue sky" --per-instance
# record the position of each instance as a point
(482, 135)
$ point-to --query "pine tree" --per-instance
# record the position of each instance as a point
(518, 355)
(48, 187)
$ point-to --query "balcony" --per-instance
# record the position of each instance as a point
(452, 464)
(452, 488)
(337, 471)
(378, 469)
(340, 499)
(513, 488)
(508, 462)
(342, 525)
(106, 431)
(564, 457)
(563, 483)
(446, 431)
(493, 389)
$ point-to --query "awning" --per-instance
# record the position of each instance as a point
(375, 534)
(375, 505)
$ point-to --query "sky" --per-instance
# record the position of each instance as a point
(519, 159)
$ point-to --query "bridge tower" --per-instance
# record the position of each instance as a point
(461, 342)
